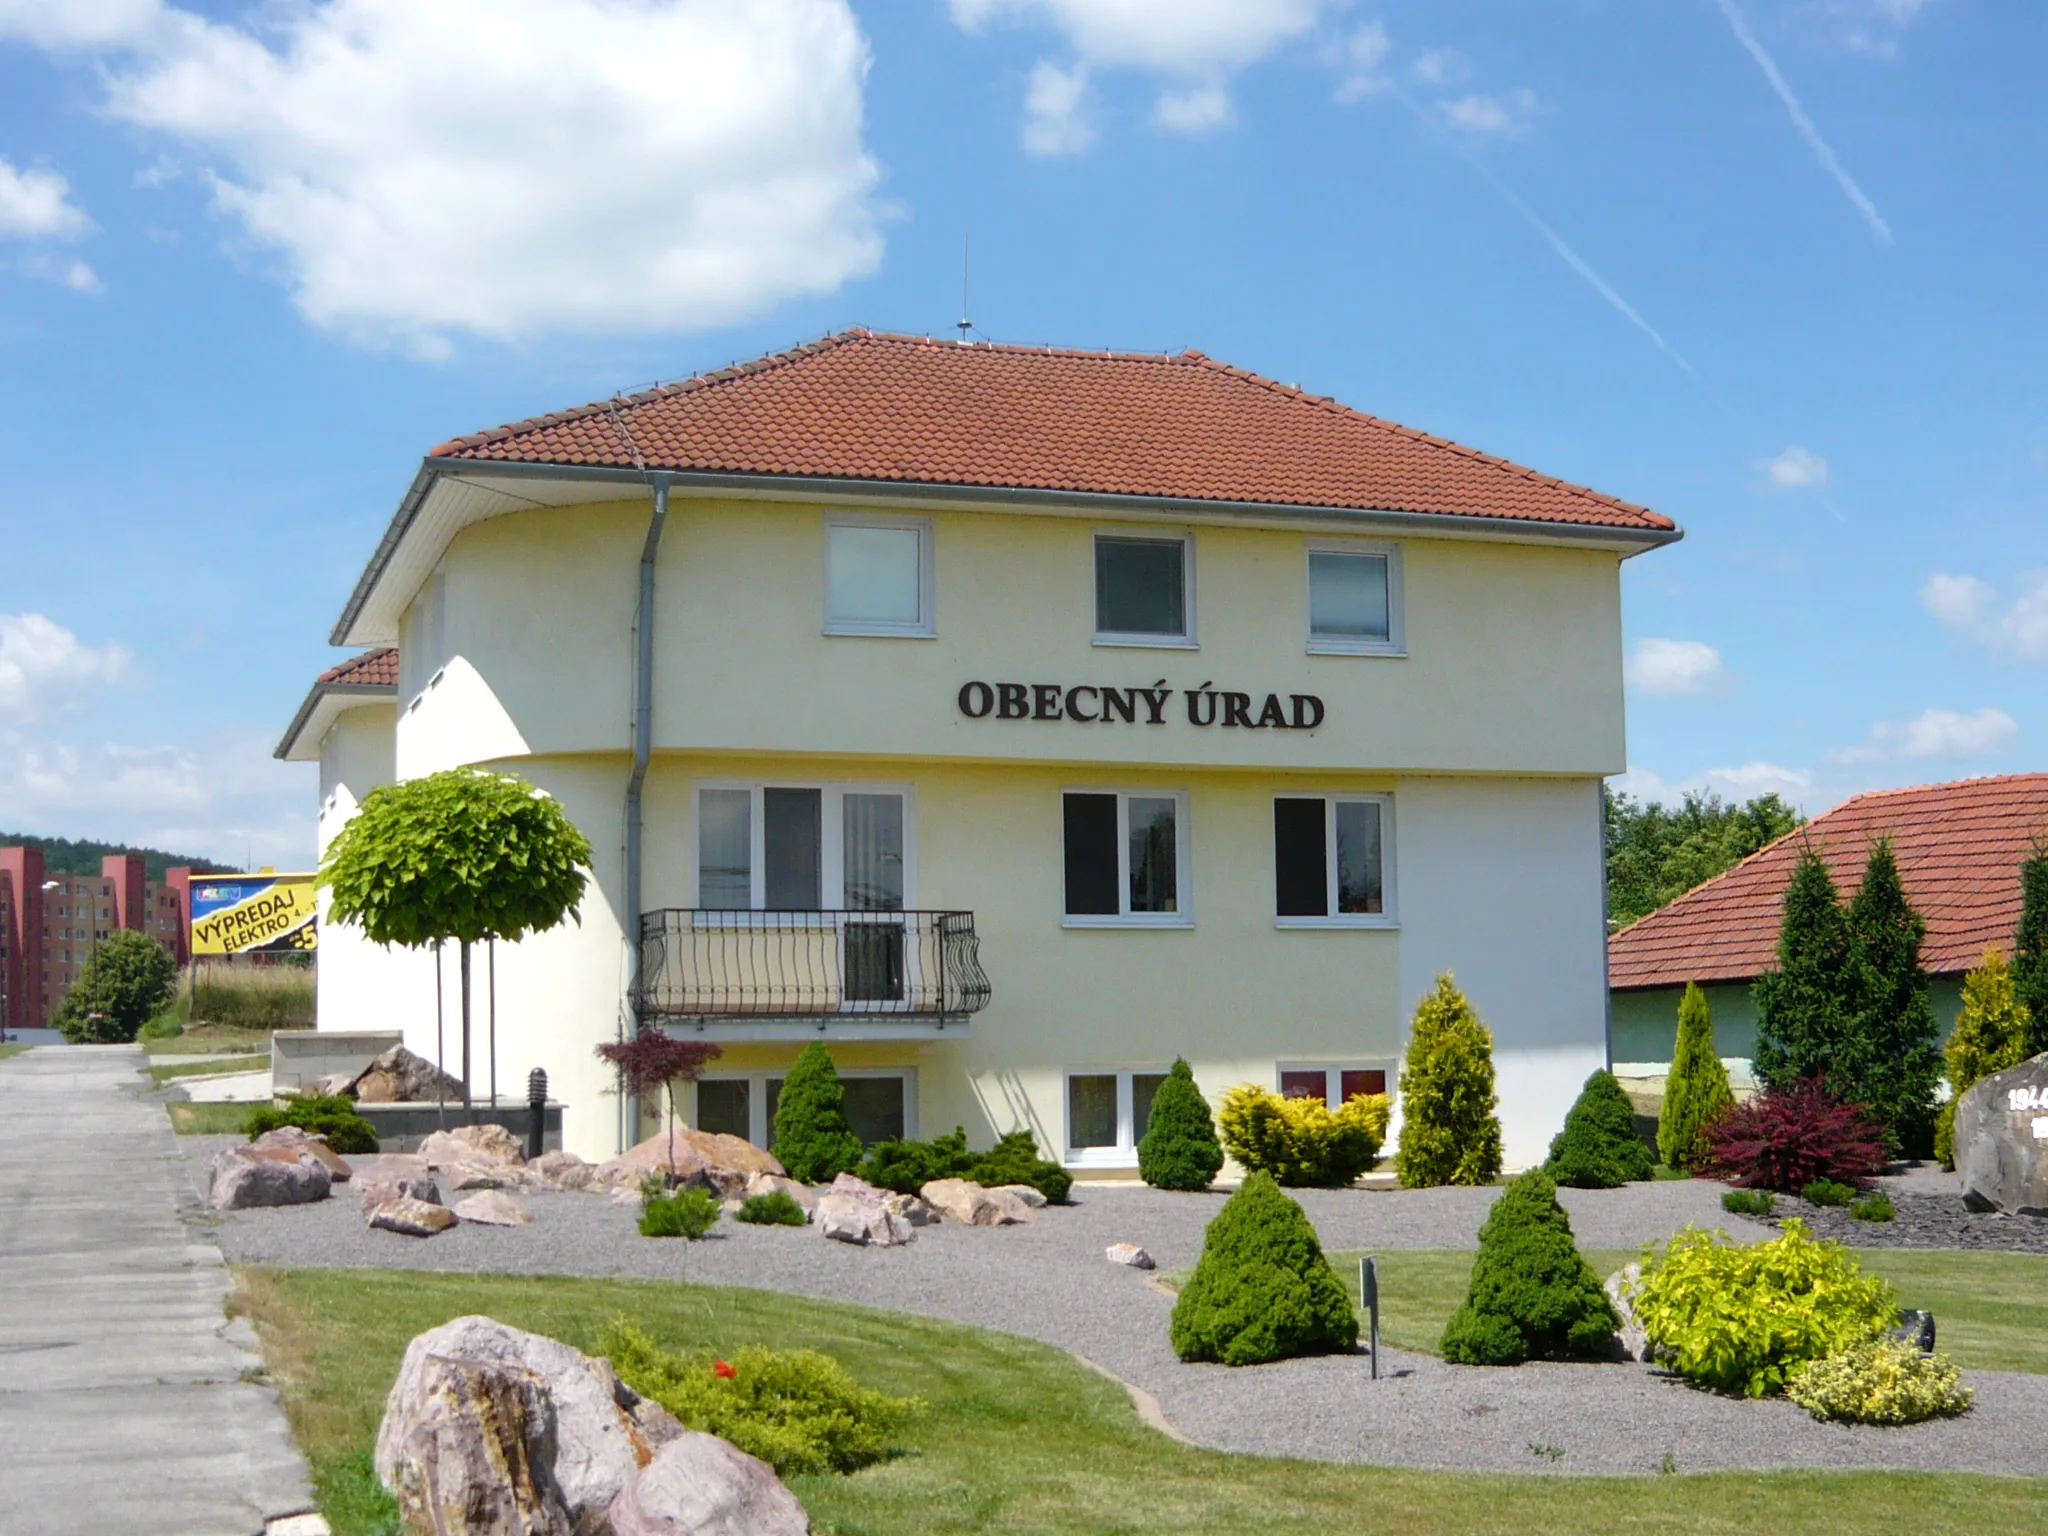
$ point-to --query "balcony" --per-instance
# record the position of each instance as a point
(743, 975)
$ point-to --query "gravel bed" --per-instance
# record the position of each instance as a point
(1049, 1281)
(1929, 1213)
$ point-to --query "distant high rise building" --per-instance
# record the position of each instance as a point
(50, 923)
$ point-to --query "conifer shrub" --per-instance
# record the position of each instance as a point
(686, 1213)
(2030, 949)
(1827, 1192)
(1179, 1149)
(1532, 1296)
(329, 1115)
(1696, 1094)
(812, 1139)
(1262, 1289)
(1450, 1131)
(1990, 1035)
(1873, 1207)
(1598, 1147)
(1891, 1061)
(1748, 1202)
(1299, 1140)
(1785, 1138)
(1805, 1001)
(777, 1208)
(907, 1166)
(1014, 1159)
(1880, 1381)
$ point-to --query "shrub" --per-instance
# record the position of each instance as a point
(1785, 1138)
(907, 1166)
(1880, 1381)
(1179, 1149)
(774, 1209)
(1827, 1192)
(1299, 1141)
(1014, 1159)
(796, 1409)
(165, 1026)
(125, 983)
(1532, 1295)
(1450, 1133)
(1877, 1207)
(1990, 1035)
(328, 1115)
(687, 1213)
(1598, 1147)
(2030, 949)
(1891, 1060)
(1748, 1202)
(1742, 1319)
(812, 1139)
(1262, 1289)
(1696, 1094)
(1806, 1000)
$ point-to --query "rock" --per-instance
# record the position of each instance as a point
(396, 1175)
(315, 1147)
(913, 1209)
(700, 1485)
(775, 1183)
(339, 1085)
(604, 1432)
(1916, 1327)
(725, 1183)
(409, 1217)
(850, 1219)
(1129, 1253)
(1012, 1210)
(684, 1151)
(494, 1208)
(245, 1178)
(857, 1188)
(1630, 1342)
(401, 1077)
(564, 1170)
(491, 1143)
(964, 1201)
(2002, 1140)
(475, 1451)
(1024, 1192)
(472, 1175)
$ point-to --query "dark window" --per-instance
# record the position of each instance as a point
(1358, 857)
(1300, 868)
(1091, 856)
(1091, 1110)
(1306, 1085)
(792, 826)
(1354, 1083)
(1347, 597)
(1143, 1086)
(1141, 586)
(874, 1107)
(1155, 879)
(722, 1108)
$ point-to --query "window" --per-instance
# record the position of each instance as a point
(1354, 600)
(1107, 1113)
(808, 848)
(1143, 590)
(1330, 858)
(881, 1104)
(1333, 1085)
(878, 576)
(1126, 859)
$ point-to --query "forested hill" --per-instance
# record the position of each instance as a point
(80, 856)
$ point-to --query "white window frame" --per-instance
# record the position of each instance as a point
(760, 1132)
(1333, 1075)
(1183, 861)
(1396, 643)
(1125, 1153)
(832, 844)
(1187, 641)
(1389, 916)
(927, 625)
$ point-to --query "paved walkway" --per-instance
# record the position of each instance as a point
(123, 1403)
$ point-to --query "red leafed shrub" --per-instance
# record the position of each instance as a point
(1785, 1138)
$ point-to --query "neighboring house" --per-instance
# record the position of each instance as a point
(1959, 848)
(1013, 721)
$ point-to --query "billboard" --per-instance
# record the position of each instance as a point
(253, 914)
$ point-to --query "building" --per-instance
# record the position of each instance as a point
(1014, 721)
(1959, 848)
(50, 924)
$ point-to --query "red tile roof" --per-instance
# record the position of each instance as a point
(870, 406)
(1959, 848)
(372, 669)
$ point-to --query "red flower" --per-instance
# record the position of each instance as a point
(721, 1369)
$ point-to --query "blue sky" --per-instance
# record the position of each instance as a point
(1769, 266)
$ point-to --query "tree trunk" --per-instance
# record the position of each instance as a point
(468, 1103)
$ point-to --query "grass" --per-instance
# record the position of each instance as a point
(11, 1049)
(210, 1119)
(1020, 1437)
(209, 1040)
(247, 997)
(211, 1068)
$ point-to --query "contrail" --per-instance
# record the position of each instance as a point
(1804, 124)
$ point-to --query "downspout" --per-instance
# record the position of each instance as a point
(643, 718)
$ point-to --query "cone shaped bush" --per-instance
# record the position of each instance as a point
(1598, 1147)
(1696, 1094)
(1179, 1149)
(1532, 1296)
(1990, 1035)
(1450, 1133)
(1262, 1289)
(1891, 1060)
(812, 1139)
(2030, 948)
(1806, 1000)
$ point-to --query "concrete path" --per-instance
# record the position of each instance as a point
(124, 1399)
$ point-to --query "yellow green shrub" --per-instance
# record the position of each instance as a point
(1450, 1128)
(1880, 1381)
(1300, 1142)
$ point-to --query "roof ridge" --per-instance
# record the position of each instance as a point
(1921, 789)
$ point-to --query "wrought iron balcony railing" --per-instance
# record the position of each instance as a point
(699, 964)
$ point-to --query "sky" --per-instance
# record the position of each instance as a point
(1771, 267)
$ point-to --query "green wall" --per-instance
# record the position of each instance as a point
(1646, 1021)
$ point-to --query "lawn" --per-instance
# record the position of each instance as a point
(210, 1119)
(210, 1039)
(11, 1049)
(213, 1066)
(1020, 1438)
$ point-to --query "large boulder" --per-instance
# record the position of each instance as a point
(778, 1184)
(564, 1170)
(850, 1219)
(244, 1178)
(476, 1451)
(409, 1217)
(700, 1485)
(2002, 1140)
(966, 1202)
(493, 1208)
(315, 1147)
(603, 1432)
(395, 1175)
(400, 1076)
(683, 1153)
(1631, 1342)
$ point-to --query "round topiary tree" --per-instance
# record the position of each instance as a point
(463, 854)
(1179, 1149)
(1598, 1147)
(1262, 1289)
(813, 1142)
(1450, 1133)
(1532, 1297)
(127, 979)
(1696, 1093)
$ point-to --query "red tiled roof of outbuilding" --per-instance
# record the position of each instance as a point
(372, 669)
(867, 405)
(1959, 848)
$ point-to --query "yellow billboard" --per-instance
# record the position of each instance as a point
(253, 914)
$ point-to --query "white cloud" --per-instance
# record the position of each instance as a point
(513, 167)
(1934, 733)
(1439, 67)
(1682, 669)
(83, 23)
(1193, 110)
(1056, 111)
(2014, 631)
(1795, 785)
(36, 205)
(46, 670)
(1490, 116)
(1796, 468)
(1359, 60)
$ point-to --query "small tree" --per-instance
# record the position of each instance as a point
(1262, 1289)
(1450, 1133)
(654, 1061)
(1990, 1035)
(463, 854)
(1890, 1059)
(1532, 1297)
(1598, 1147)
(1179, 1149)
(2030, 948)
(1805, 1002)
(813, 1142)
(1696, 1094)
(127, 980)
